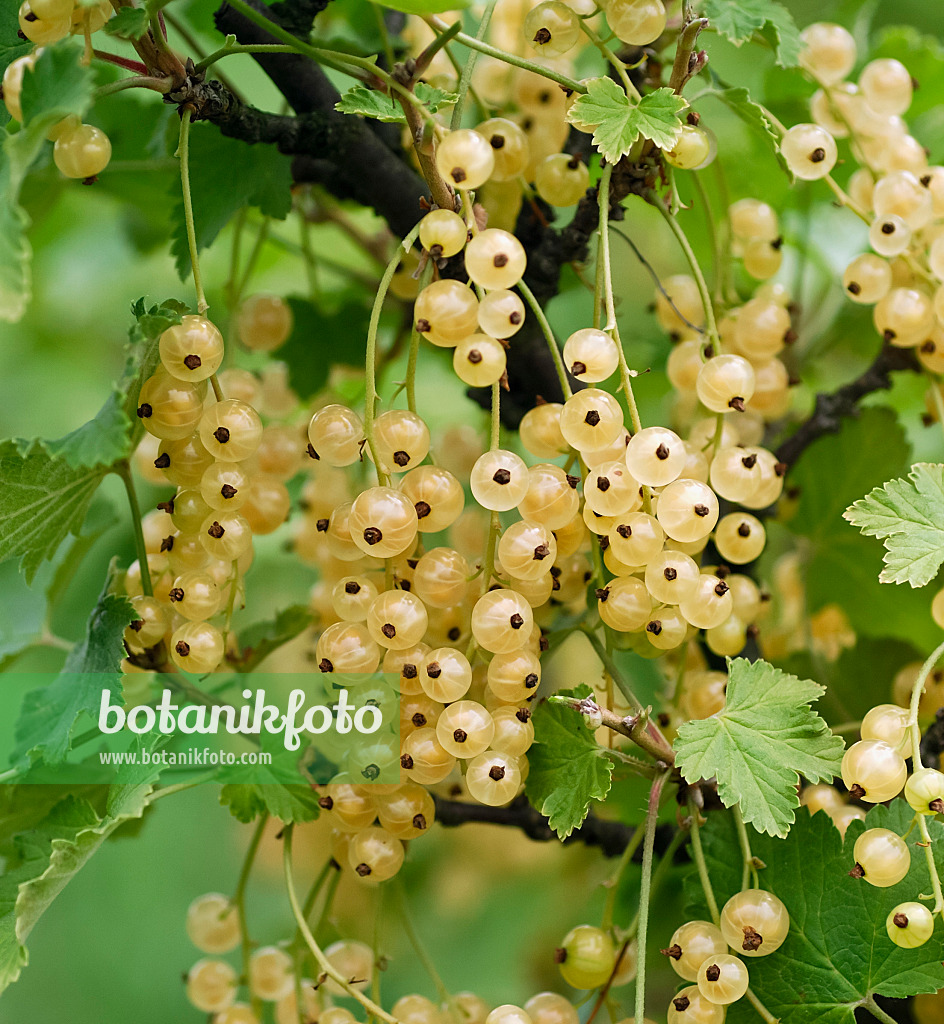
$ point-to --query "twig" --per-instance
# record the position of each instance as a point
(832, 407)
(633, 727)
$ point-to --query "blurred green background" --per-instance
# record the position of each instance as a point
(490, 905)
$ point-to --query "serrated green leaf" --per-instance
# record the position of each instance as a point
(738, 20)
(568, 768)
(57, 86)
(909, 516)
(759, 743)
(752, 114)
(257, 176)
(128, 23)
(837, 952)
(841, 567)
(49, 856)
(42, 501)
(49, 713)
(617, 122)
(364, 102)
(279, 795)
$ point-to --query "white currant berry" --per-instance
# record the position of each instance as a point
(755, 922)
(465, 159)
(691, 944)
(882, 857)
(909, 925)
(723, 979)
(873, 771)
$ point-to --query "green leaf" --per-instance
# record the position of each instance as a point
(837, 952)
(366, 102)
(128, 23)
(738, 20)
(841, 567)
(50, 712)
(42, 500)
(48, 857)
(57, 86)
(262, 638)
(568, 768)
(425, 6)
(321, 339)
(909, 516)
(752, 114)
(257, 176)
(617, 122)
(370, 103)
(759, 744)
(277, 793)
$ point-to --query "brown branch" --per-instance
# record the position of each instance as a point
(612, 837)
(832, 407)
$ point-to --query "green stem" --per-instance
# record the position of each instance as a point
(508, 58)
(765, 1014)
(916, 694)
(260, 241)
(323, 962)
(425, 278)
(226, 49)
(932, 867)
(610, 56)
(711, 326)
(465, 79)
(603, 202)
(717, 271)
(749, 872)
(642, 932)
(877, 1012)
(184, 154)
(239, 902)
(384, 34)
(613, 883)
(316, 885)
(422, 954)
(698, 856)
(123, 469)
(371, 396)
(549, 337)
(161, 85)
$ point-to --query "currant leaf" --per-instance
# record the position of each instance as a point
(837, 952)
(257, 176)
(49, 713)
(759, 743)
(617, 122)
(909, 516)
(568, 768)
(262, 638)
(842, 567)
(738, 20)
(364, 102)
(48, 856)
(752, 114)
(128, 23)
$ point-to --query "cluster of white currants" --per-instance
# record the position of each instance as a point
(213, 984)
(754, 923)
(80, 150)
(874, 770)
(230, 475)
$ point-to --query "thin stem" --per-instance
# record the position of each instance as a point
(916, 694)
(680, 236)
(239, 902)
(603, 202)
(316, 885)
(508, 58)
(123, 469)
(642, 931)
(614, 879)
(749, 872)
(698, 856)
(415, 345)
(610, 56)
(465, 79)
(226, 49)
(323, 962)
(877, 1012)
(184, 154)
(932, 867)
(260, 241)
(422, 954)
(371, 396)
(549, 337)
(765, 1014)
(161, 85)
(717, 269)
